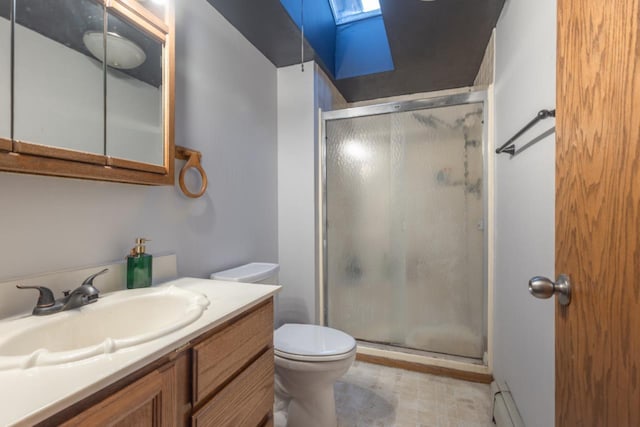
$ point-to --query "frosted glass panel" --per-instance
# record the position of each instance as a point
(405, 239)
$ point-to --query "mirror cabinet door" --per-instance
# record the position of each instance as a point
(5, 75)
(58, 82)
(134, 93)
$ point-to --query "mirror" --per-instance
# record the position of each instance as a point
(88, 91)
(134, 94)
(58, 84)
(5, 72)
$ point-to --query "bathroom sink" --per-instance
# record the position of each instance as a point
(117, 320)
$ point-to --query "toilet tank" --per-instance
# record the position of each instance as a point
(255, 272)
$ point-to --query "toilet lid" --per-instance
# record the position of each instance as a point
(312, 340)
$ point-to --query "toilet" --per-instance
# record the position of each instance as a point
(309, 359)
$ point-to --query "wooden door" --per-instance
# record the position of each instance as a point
(598, 213)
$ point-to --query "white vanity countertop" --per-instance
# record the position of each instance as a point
(29, 396)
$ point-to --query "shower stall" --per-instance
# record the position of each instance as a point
(403, 222)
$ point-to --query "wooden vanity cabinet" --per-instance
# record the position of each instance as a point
(222, 378)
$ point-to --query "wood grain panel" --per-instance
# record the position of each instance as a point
(169, 81)
(133, 165)
(269, 421)
(6, 144)
(183, 389)
(218, 358)
(598, 213)
(143, 416)
(427, 369)
(31, 149)
(245, 401)
(149, 401)
(38, 165)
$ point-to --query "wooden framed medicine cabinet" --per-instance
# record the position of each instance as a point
(67, 111)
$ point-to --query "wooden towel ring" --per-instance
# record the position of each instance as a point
(193, 159)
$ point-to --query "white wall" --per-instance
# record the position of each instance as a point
(300, 95)
(225, 107)
(296, 194)
(525, 197)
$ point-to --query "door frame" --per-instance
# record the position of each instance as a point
(436, 101)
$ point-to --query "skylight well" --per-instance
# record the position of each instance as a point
(345, 11)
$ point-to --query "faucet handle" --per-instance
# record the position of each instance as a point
(89, 280)
(46, 298)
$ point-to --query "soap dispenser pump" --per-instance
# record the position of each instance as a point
(139, 266)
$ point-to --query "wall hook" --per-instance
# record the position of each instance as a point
(193, 159)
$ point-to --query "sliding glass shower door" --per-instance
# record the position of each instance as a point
(404, 228)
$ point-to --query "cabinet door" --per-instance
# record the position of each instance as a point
(150, 401)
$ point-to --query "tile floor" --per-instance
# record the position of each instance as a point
(373, 395)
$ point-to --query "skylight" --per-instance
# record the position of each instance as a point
(345, 11)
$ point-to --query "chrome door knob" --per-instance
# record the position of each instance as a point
(542, 287)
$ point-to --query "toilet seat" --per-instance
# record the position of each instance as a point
(312, 343)
(302, 358)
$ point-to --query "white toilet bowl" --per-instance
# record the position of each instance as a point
(309, 359)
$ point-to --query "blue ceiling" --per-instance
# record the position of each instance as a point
(353, 49)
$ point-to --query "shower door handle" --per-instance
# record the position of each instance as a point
(542, 287)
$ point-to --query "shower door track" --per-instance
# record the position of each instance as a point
(392, 357)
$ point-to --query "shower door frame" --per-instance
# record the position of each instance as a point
(471, 97)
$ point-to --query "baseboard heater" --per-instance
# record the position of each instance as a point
(505, 411)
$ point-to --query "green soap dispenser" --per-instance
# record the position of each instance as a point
(139, 266)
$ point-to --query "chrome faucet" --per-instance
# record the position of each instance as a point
(82, 295)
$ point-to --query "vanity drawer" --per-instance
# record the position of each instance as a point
(221, 356)
(246, 401)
